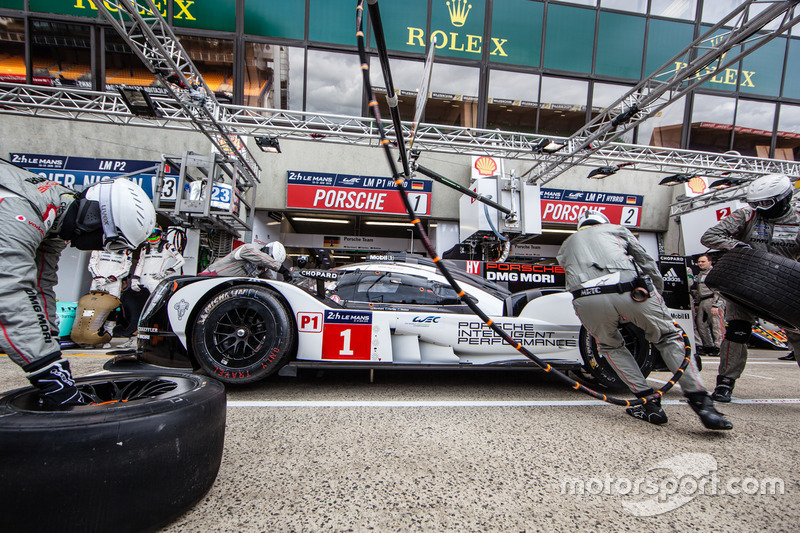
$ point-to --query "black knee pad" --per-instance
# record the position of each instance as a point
(738, 331)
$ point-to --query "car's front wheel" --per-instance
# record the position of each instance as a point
(244, 334)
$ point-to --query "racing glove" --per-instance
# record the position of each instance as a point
(135, 285)
(287, 274)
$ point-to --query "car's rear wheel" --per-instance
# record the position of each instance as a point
(147, 450)
(244, 334)
(596, 368)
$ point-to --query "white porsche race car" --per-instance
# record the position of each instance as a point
(380, 315)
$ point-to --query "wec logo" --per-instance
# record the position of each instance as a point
(426, 319)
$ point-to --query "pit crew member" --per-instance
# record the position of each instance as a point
(38, 217)
(157, 260)
(251, 260)
(770, 222)
(611, 276)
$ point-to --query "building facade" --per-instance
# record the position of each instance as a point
(536, 66)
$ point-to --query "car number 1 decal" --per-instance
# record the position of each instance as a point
(347, 335)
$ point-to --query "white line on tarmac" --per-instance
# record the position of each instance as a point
(465, 403)
(760, 377)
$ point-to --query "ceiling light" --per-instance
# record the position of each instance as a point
(602, 172)
(676, 179)
(724, 183)
(138, 102)
(381, 223)
(547, 146)
(322, 220)
(269, 144)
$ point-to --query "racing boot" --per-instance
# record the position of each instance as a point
(650, 411)
(724, 389)
(701, 403)
(56, 386)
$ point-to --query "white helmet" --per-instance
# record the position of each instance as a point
(126, 213)
(591, 217)
(770, 194)
(276, 250)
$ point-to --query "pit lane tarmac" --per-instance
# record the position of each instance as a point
(492, 451)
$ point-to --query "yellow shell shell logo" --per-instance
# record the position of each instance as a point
(697, 185)
(485, 166)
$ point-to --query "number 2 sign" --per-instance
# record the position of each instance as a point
(347, 335)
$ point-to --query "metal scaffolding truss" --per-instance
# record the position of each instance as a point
(712, 52)
(141, 25)
(108, 107)
(190, 105)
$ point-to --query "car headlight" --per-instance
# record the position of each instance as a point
(159, 296)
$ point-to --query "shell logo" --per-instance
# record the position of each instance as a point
(485, 166)
(697, 185)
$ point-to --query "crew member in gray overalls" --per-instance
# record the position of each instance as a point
(38, 217)
(769, 223)
(251, 260)
(612, 277)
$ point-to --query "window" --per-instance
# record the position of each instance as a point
(788, 143)
(334, 83)
(12, 56)
(519, 24)
(61, 54)
(513, 101)
(406, 76)
(562, 109)
(666, 38)
(394, 288)
(569, 38)
(275, 18)
(714, 11)
(620, 43)
(273, 76)
(665, 129)
(123, 66)
(676, 9)
(603, 95)
(214, 59)
(454, 96)
(712, 123)
(753, 133)
(634, 6)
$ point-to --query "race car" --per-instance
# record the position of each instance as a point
(379, 315)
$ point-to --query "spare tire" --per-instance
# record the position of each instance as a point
(147, 450)
(766, 283)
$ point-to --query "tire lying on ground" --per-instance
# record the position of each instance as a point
(147, 452)
(766, 283)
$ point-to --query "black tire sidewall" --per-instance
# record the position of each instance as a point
(125, 466)
(768, 284)
(601, 372)
(274, 353)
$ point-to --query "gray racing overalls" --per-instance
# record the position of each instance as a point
(31, 212)
(778, 236)
(603, 255)
(246, 260)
